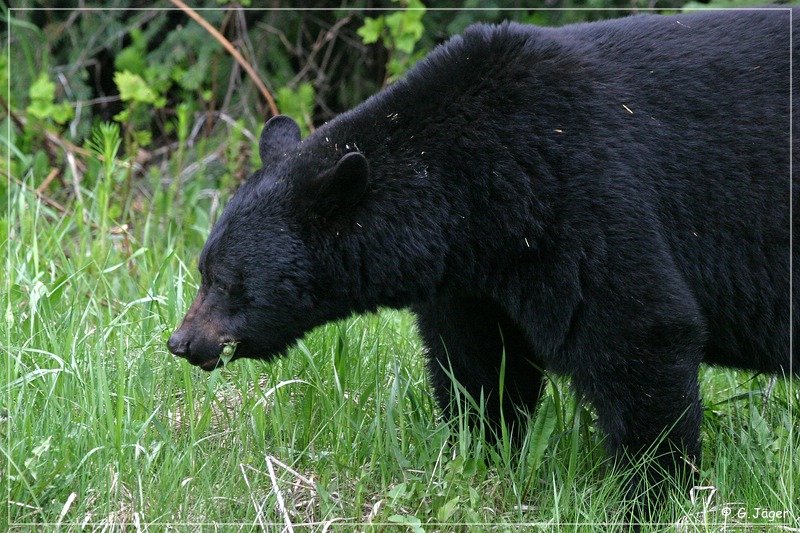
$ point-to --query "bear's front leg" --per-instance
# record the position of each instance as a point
(648, 403)
(468, 338)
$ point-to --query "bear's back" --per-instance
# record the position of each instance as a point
(683, 119)
(699, 107)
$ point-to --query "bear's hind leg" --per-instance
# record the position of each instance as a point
(468, 338)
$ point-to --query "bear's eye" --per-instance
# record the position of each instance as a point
(222, 286)
(228, 288)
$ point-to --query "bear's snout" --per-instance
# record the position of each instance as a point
(200, 338)
(199, 351)
(178, 343)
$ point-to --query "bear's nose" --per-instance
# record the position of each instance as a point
(178, 343)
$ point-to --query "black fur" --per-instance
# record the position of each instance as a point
(608, 201)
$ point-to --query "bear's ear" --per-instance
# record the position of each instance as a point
(279, 134)
(340, 187)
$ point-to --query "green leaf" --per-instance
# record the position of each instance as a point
(142, 138)
(474, 498)
(397, 492)
(122, 116)
(159, 78)
(192, 79)
(62, 113)
(42, 94)
(42, 90)
(40, 109)
(405, 28)
(371, 31)
(37, 452)
(411, 521)
(405, 42)
(298, 104)
(130, 59)
(397, 67)
(542, 430)
(132, 88)
(446, 511)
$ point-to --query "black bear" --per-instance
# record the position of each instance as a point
(607, 201)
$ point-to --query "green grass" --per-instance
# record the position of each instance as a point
(101, 426)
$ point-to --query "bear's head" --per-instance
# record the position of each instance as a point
(300, 243)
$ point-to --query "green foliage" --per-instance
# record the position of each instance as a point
(133, 58)
(105, 144)
(185, 59)
(372, 30)
(399, 32)
(132, 88)
(298, 104)
(42, 94)
(405, 27)
(139, 96)
(543, 426)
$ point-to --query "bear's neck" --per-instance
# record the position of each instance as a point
(466, 173)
